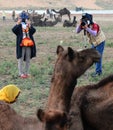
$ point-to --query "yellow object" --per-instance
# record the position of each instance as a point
(9, 93)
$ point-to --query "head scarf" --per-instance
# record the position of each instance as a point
(9, 93)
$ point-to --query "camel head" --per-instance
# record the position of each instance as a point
(72, 63)
(52, 119)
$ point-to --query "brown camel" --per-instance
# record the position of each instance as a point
(40, 22)
(46, 22)
(51, 23)
(69, 23)
(10, 120)
(62, 12)
(69, 66)
(92, 106)
(35, 18)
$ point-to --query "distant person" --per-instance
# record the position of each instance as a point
(49, 13)
(96, 38)
(9, 93)
(25, 45)
(3, 15)
(13, 14)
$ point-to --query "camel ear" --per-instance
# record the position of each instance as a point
(53, 117)
(41, 115)
(71, 53)
(59, 49)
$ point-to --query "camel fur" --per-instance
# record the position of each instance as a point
(92, 106)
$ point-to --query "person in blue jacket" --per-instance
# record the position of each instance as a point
(24, 30)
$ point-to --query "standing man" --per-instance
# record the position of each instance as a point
(3, 15)
(25, 45)
(96, 38)
(13, 14)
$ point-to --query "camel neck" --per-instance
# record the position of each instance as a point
(60, 95)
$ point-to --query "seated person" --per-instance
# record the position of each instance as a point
(9, 93)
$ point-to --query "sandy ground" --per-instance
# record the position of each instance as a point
(90, 4)
(86, 4)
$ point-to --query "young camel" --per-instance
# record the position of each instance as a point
(69, 66)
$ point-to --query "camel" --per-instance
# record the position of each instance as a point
(70, 24)
(11, 120)
(39, 22)
(46, 22)
(70, 65)
(62, 12)
(92, 106)
(52, 23)
(35, 18)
